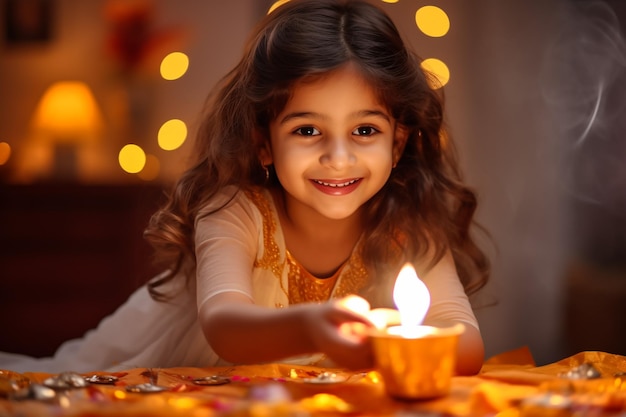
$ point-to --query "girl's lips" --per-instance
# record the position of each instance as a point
(334, 187)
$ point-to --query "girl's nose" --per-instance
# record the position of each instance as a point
(338, 154)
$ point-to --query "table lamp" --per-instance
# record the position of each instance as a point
(67, 117)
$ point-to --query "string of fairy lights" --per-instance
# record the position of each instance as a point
(431, 20)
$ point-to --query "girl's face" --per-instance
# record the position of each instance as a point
(333, 146)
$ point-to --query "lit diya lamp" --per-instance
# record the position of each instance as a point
(414, 360)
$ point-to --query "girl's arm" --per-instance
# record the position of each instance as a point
(241, 332)
(471, 352)
(449, 305)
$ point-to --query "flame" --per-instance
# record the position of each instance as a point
(411, 297)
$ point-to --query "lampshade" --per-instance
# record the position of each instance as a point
(68, 113)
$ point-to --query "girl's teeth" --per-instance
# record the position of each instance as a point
(335, 185)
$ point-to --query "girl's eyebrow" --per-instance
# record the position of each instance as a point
(301, 114)
(313, 115)
(375, 113)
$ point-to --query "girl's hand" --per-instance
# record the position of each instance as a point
(339, 329)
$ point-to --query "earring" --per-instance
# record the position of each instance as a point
(267, 173)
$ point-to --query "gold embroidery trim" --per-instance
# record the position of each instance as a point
(301, 285)
(305, 287)
(271, 252)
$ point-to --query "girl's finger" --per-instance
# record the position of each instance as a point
(355, 304)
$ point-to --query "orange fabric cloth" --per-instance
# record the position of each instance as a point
(509, 385)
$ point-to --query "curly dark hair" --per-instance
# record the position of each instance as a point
(424, 206)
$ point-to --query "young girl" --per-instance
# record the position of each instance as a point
(321, 167)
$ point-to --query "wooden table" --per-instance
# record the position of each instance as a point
(508, 385)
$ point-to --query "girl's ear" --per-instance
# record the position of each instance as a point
(399, 142)
(262, 143)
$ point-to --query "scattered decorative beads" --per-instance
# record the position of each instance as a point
(66, 380)
(325, 378)
(146, 388)
(211, 380)
(102, 379)
(584, 371)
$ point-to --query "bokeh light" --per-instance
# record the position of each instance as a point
(5, 152)
(432, 21)
(390, 1)
(174, 66)
(132, 158)
(172, 134)
(439, 70)
(276, 5)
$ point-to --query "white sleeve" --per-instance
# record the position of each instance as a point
(226, 246)
(448, 301)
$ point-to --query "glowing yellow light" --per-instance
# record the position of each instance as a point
(558, 400)
(293, 373)
(68, 113)
(151, 170)
(172, 134)
(276, 5)
(63, 401)
(432, 21)
(439, 70)
(174, 65)
(326, 402)
(5, 152)
(132, 158)
(390, 1)
(374, 377)
(184, 402)
(119, 394)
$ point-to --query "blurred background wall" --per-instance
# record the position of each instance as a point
(534, 102)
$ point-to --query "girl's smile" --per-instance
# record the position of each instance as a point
(337, 187)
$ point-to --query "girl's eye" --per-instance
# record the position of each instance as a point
(307, 131)
(364, 131)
